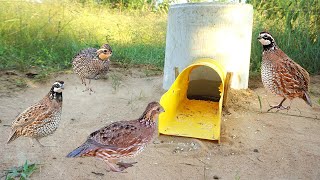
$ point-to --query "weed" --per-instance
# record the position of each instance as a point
(152, 72)
(260, 103)
(20, 82)
(132, 99)
(115, 81)
(23, 172)
(237, 176)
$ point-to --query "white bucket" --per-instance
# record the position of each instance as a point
(220, 31)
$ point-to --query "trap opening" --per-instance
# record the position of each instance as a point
(194, 101)
(204, 84)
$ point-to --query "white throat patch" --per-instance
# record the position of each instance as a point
(58, 90)
(264, 42)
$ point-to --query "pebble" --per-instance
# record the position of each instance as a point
(216, 177)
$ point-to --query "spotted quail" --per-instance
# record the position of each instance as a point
(91, 63)
(121, 139)
(280, 74)
(41, 119)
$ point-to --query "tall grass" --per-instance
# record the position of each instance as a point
(48, 35)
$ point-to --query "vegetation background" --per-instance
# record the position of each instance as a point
(46, 35)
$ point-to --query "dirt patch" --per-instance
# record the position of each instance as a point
(254, 145)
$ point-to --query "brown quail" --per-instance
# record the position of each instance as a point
(121, 139)
(41, 119)
(91, 63)
(280, 74)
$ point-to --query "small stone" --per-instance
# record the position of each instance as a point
(156, 142)
(72, 119)
(216, 177)
(256, 150)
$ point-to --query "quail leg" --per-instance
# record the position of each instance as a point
(83, 81)
(88, 88)
(279, 106)
(85, 84)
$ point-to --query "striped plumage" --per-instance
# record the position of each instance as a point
(280, 74)
(121, 139)
(41, 119)
(91, 63)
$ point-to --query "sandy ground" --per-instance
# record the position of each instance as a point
(254, 145)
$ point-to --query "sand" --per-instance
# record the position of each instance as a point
(254, 144)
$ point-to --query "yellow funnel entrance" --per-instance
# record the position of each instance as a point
(193, 103)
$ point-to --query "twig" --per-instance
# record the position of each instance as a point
(316, 117)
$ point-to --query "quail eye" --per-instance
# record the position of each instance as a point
(105, 51)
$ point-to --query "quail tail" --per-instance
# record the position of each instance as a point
(307, 99)
(13, 136)
(83, 149)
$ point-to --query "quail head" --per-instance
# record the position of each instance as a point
(41, 119)
(121, 139)
(280, 74)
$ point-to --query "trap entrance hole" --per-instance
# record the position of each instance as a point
(204, 84)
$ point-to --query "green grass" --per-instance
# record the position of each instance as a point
(46, 36)
(22, 172)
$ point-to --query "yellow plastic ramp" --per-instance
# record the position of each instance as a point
(193, 104)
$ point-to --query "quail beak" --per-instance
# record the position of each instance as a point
(62, 87)
(162, 110)
(259, 37)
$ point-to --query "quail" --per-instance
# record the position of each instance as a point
(280, 74)
(41, 119)
(91, 63)
(121, 139)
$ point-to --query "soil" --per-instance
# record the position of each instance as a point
(254, 144)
